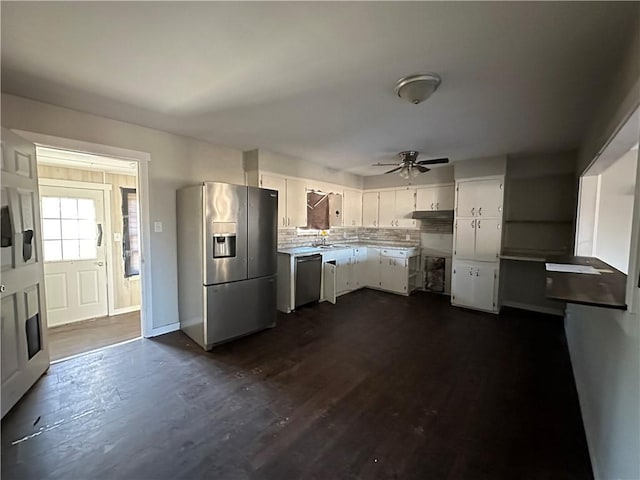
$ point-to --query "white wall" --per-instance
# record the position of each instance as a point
(480, 167)
(615, 211)
(176, 161)
(605, 344)
(295, 167)
(438, 174)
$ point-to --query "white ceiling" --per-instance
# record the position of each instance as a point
(315, 80)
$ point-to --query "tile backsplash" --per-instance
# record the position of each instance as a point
(290, 238)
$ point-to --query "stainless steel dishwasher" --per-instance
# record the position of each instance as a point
(308, 276)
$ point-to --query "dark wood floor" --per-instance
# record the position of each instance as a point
(376, 386)
(80, 337)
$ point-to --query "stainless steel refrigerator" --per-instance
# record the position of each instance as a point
(227, 254)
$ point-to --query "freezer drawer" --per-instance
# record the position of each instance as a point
(239, 308)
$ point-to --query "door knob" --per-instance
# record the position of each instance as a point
(3, 289)
(100, 264)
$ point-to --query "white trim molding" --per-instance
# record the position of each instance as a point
(143, 159)
(172, 327)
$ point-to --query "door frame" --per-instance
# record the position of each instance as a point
(142, 159)
(106, 201)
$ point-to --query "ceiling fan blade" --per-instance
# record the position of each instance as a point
(383, 164)
(393, 170)
(422, 169)
(433, 161)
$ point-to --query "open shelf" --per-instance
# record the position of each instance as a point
(529, 255)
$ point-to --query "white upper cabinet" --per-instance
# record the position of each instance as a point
(352, 208)
(296, 203)
(435, 198)
(370, 201)
(279, 184)
(480, 198)
(405, 205)
(387, 209)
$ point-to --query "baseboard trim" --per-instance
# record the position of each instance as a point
(123, 310)
(172, 327)
(534, 308)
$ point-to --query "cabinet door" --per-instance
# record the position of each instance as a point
(342, 274)
(387, 209)
(394, 274)
(487, 239)
(488, 198)
(372, 270)
(426, 198)
(279, 184)
(465, 232)
(462, 285)
(329, 290)
(484, 282)
(467, 199)
(352, 208)
(443, 197)
(405, 205)
(359, 269)
(296, 203)
(370, 202)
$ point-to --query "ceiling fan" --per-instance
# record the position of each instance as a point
(409, 165)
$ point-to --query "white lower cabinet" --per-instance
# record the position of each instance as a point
(394, 274)
(474, 285)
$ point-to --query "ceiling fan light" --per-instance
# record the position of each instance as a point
(414, 172)
(417, 88)
(405, 172)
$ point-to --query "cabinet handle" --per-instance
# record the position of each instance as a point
(478, 223)
(471, 272)
(473, 211)
(473, 224)
(480, 211)
(284, 222)
(438, 206)
(374, 223)
(288, 221)
(431, 206)
(477, 272)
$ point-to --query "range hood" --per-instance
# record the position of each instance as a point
(433, 215)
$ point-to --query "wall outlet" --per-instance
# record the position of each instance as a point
(407, 237)
(157, 227)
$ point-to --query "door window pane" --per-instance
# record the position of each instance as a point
(51, 229)
(52, 250)
(69, 229)
(71, 249)
(68, 208)
(50, 207)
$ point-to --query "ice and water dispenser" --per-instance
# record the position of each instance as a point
(224, 239)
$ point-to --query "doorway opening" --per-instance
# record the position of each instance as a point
(91, 249)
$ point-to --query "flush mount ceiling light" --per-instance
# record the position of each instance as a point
(417, 88)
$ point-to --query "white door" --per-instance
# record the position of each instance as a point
(484, 281)
(372, 277)
(465, 233)
(296, 203)
(25, 353)
(467, 199)
(462, 285)
(405, 206)
(329, 290)
(352, 208)
(487, 239)
(426, 199)
(444, 197)
(370, 203)
(279, 184)
(73, 232)
(387, 209)
(489, 198)
(343, 273)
